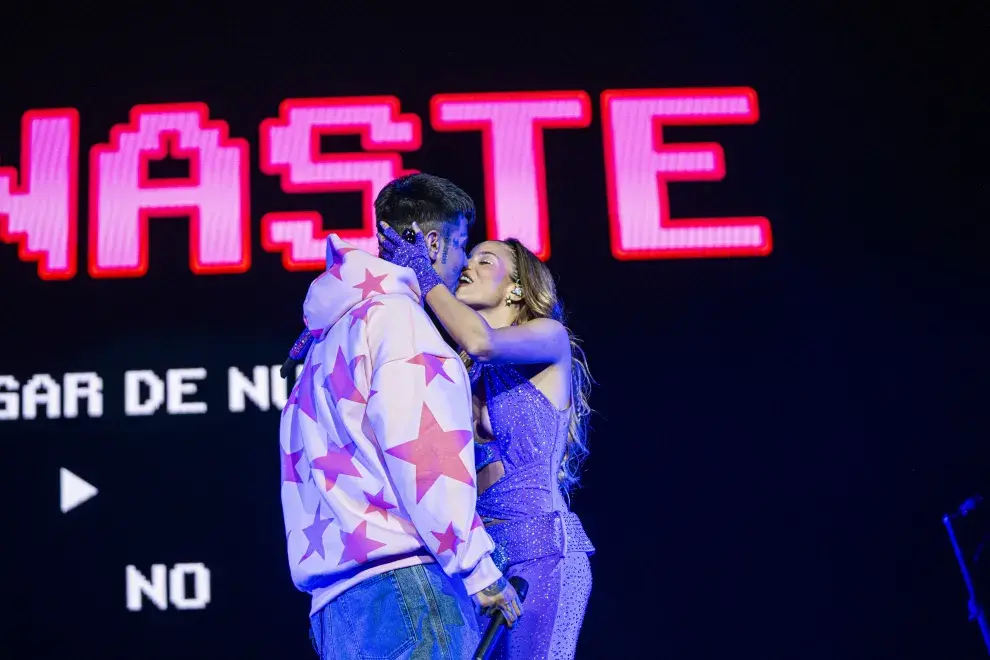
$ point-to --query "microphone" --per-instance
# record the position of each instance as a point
(497, 624)
(297, 354)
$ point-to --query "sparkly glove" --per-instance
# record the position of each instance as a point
(415, 255)
(297, 353)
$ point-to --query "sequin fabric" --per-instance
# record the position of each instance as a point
(298, 350)
(545, 535)
(425, 275)
(485, 454)
(414, 255)
(540, 540)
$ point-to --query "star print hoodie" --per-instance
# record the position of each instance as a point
(376, 442)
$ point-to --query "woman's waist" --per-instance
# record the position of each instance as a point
(518, 456)
(552, 534)
(511, 499)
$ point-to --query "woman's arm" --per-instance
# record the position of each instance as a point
(539, 341)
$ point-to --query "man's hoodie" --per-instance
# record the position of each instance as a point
(376, 437)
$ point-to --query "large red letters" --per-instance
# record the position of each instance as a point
(290, 148)
(40, 214)
(638, 168)
(215, 196)
(38, 207)
(511, 126)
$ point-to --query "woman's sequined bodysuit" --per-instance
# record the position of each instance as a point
(538, 538)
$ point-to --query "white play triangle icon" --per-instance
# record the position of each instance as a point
(73, 490)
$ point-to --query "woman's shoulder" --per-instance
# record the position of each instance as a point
(546, 325)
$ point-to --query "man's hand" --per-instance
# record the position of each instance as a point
(500, 595)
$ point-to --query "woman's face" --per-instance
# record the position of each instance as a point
(487, 278)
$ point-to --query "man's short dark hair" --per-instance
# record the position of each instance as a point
(428, 200)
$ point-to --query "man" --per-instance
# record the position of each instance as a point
(378, 489)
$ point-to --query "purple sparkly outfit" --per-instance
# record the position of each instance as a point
(540, 540)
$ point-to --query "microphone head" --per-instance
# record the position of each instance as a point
(520, 585)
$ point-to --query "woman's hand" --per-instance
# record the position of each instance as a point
(415, 255)
(399, 251)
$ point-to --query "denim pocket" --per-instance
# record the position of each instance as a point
(377, 618)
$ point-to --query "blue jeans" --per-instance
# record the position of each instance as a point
(414, 613)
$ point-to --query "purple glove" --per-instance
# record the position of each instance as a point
(398, 251)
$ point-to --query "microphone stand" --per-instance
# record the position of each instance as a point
(975, 608)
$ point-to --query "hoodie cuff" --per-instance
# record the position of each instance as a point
(483, 575)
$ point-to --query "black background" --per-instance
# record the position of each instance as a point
(776, 438)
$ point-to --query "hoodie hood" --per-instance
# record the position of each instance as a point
(352, 278)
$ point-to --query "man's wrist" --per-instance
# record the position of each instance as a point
(496, 587)
(482, 575)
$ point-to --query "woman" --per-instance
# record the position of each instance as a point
(531, 387)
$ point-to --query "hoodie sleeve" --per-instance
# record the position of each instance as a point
(420, 410)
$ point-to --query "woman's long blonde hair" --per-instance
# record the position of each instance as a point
(540, 300)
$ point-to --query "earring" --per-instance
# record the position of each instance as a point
(517, 291)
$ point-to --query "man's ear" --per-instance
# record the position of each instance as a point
(433, 243)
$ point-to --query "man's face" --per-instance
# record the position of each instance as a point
(450, 253)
